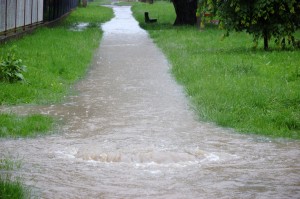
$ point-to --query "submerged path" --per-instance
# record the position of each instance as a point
(130, 133)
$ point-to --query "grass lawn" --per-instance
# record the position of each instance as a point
(231, 84)
(56, 57)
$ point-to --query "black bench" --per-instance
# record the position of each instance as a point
(148, 20)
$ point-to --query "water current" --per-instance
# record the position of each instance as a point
(130, 133)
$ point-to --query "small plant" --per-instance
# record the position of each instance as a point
(8, 164)
(11, 68)
(11, 187)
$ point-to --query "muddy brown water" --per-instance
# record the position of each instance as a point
(130, 133)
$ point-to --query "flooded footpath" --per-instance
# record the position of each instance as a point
(131, 133)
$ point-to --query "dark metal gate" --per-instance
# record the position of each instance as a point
(54, 9)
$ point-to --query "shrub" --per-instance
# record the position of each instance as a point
(11, 68)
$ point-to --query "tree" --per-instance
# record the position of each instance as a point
(185, 12)
(262, 18)
(82, 2)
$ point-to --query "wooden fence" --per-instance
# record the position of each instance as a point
(16, 14)
(21, 15)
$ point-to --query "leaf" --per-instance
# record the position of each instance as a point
(20, 76)
(24, 68)
(292, 10)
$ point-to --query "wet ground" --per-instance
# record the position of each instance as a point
(130, 133)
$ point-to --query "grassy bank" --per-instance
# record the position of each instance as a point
(24, 126)
(252, 91)
(11, 188)
(56, 57)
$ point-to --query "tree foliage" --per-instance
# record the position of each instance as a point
(206, 7)
(262, 18)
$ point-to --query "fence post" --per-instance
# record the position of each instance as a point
(24, 15)
(31, 13)
(5, 28)
(37, 12)
(84, 3)
(16, 15)
(49, 10)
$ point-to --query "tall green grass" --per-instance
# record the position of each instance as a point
(25, 126)
(13, 189)
(231, 84)
(10, 187)
(56, 57)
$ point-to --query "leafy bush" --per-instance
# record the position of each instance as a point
(11, 68)
(262, 18)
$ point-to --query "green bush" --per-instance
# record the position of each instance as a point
(11, 68)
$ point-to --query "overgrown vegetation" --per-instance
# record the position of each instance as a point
(252, 91)
(24, 126)
(10, 187)
(8, 164)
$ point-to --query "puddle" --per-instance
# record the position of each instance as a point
(78, 27)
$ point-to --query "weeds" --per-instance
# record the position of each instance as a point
(25, 126)
(11, 68)
(11, 187)
(7, 164)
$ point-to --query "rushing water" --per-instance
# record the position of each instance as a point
(130, 133)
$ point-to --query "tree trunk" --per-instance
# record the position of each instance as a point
(84, 3)
(266, 40)
(185, 12)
